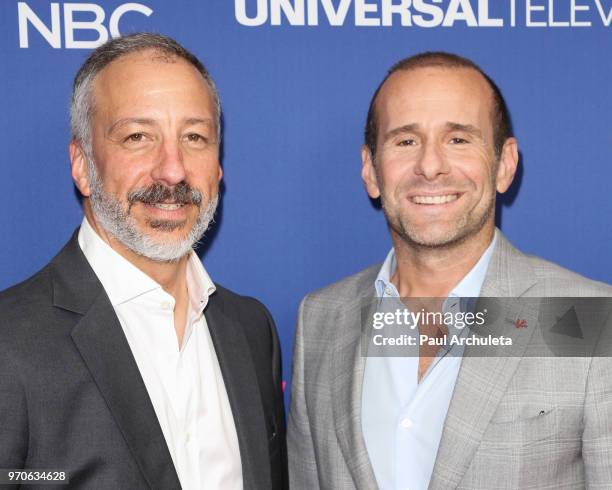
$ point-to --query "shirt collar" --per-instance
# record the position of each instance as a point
(123, 281)
(469, 286)
(382, 283)
(199, 283)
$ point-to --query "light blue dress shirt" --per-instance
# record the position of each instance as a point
(402, 419)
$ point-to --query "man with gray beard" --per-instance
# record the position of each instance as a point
(122, 365)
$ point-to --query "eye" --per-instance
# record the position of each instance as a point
(458, 141)
(196, 138)
(406, 142)
(135, 138)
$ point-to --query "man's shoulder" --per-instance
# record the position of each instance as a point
(27, 296)
(554, 279)
(38, 290)
(512, 272)
(352, 288)
(240, 307)
(30, 325)
(247, 314)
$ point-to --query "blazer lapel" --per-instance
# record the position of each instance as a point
(99, 338)
(104, 348)
(482, 380)
(241, 385)
(349, 366)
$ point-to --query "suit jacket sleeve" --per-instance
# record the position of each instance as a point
(302, 461)
(13, 413)
(597, 435)
(279, 402)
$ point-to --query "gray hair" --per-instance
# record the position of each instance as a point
(82, 104)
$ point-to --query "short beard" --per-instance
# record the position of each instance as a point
(463, 231)
(460, 234)
(117, 221)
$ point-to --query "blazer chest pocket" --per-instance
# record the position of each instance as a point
(526, 425)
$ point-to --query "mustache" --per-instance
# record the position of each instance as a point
(158, 193)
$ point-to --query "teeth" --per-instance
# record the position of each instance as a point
(434, 199)
(168, 207)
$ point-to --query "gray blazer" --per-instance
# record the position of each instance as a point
(514, 422)
(72, 397)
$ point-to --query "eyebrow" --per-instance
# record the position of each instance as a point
(196, 120)
(151, 122)
(130, 120)
(451, 126)
(467, 128)
(406, 128)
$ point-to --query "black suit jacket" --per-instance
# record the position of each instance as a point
(72, 397)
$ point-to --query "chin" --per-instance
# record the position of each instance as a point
(165, 227)
(165, 250)
(166, 236)
(430, 236)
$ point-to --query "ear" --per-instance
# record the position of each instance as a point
(78, 167)
(220, 174)
(508, 162)
(368, 173)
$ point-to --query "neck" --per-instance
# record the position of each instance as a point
(171, 276)
(434, 272)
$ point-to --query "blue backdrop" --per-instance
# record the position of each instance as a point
(294, 214)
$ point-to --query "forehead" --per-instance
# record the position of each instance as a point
(432, 95)
(148, 78)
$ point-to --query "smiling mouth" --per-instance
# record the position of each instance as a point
(166, 206)
(429, 200)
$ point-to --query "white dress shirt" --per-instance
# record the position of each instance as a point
(402, 419)
(185, 384)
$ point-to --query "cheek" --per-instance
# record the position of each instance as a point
(477, 171)
(122, 183)
(115, 168)
(391, 172)
(205, 180)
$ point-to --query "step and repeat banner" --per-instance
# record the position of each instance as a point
(295, 79)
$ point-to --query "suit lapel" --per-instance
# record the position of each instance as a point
(241, 385)
(104, 348)
(348, 369)
(99, 338)
(482, 380)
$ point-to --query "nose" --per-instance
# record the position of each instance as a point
(170, 167)
(431, 163)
